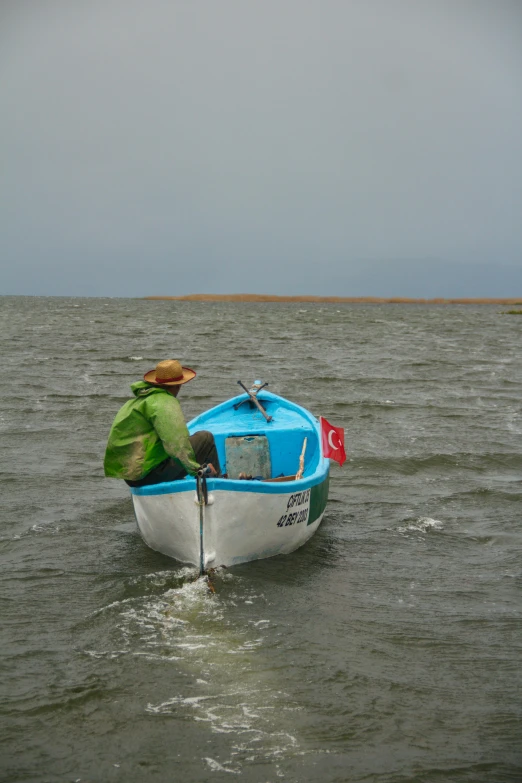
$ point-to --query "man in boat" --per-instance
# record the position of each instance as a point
(149, 441)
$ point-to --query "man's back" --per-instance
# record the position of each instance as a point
(146, 431)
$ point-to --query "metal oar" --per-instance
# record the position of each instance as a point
(202, 492)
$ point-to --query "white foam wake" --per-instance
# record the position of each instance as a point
(226, 685)
(421, 525)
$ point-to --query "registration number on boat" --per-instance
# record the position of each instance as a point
(300, 501)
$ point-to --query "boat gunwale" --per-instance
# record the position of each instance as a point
(214, 485)
(264, 396)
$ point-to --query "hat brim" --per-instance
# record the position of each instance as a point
(188, 375)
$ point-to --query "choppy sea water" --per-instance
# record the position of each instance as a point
(387, 650)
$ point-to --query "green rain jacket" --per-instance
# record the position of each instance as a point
(146, 431)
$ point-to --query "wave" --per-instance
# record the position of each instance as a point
(459, 460)
(420, 525)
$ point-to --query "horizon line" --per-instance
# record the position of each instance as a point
(333, 299)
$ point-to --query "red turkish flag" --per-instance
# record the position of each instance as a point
(333, 441)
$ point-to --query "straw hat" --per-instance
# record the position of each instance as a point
(169, 373)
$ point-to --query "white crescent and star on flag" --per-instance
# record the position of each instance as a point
(332, 441)
(331, 436)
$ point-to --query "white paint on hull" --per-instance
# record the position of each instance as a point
(238, 526)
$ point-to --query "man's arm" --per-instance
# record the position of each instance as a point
(168, 421)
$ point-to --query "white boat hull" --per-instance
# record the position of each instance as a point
(237, 526)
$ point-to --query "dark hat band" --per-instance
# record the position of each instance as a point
(168, 380)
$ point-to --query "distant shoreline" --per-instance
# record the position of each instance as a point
(330, 299)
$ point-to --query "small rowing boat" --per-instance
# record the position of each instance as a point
(271, 502)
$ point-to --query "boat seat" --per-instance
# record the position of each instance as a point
(248, 454)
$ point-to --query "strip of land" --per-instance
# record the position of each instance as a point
(329, 299)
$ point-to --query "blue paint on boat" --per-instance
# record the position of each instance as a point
(289, 426)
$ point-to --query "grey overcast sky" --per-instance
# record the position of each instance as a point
(344, 147)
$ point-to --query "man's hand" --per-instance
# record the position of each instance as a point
(208, 470)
